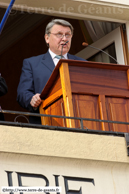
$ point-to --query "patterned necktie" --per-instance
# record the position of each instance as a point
(59, 56)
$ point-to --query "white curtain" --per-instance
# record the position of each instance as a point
(99, 29)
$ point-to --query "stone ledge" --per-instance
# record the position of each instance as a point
(62, 144)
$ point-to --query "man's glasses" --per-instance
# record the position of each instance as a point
(60, 35)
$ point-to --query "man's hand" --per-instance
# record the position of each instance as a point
(36, 100)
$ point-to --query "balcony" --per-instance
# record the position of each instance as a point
(74, 159)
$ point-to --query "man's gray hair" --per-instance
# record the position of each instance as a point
(58, 22)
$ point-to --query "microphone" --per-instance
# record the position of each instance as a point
(87, 45)
(62, 48)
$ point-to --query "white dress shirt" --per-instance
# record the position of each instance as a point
(55, 60)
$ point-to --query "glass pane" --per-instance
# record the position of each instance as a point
(102, 57)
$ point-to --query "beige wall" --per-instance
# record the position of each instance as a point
(63, 144)
(108, 177)
(98, 163)
(98, 10)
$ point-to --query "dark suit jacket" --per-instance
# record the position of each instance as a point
(35, 74)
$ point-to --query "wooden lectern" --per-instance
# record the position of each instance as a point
(87, 90)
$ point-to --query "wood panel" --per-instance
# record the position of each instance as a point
(117, 110)
(67, 95)
(78, 67)
(44, 120)
(47, 102)
(51, 98)
(86, 106)
(55, 86)
(103, 112)
(97, 81)
(90, 90)
(57, 108)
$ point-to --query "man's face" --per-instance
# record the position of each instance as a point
(55, 43)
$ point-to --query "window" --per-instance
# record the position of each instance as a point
(106, 42)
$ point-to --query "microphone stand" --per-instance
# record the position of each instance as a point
(62, 48)
(87, 45)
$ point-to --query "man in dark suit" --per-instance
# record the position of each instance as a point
(37, 70)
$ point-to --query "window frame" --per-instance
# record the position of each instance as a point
(102, 43)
